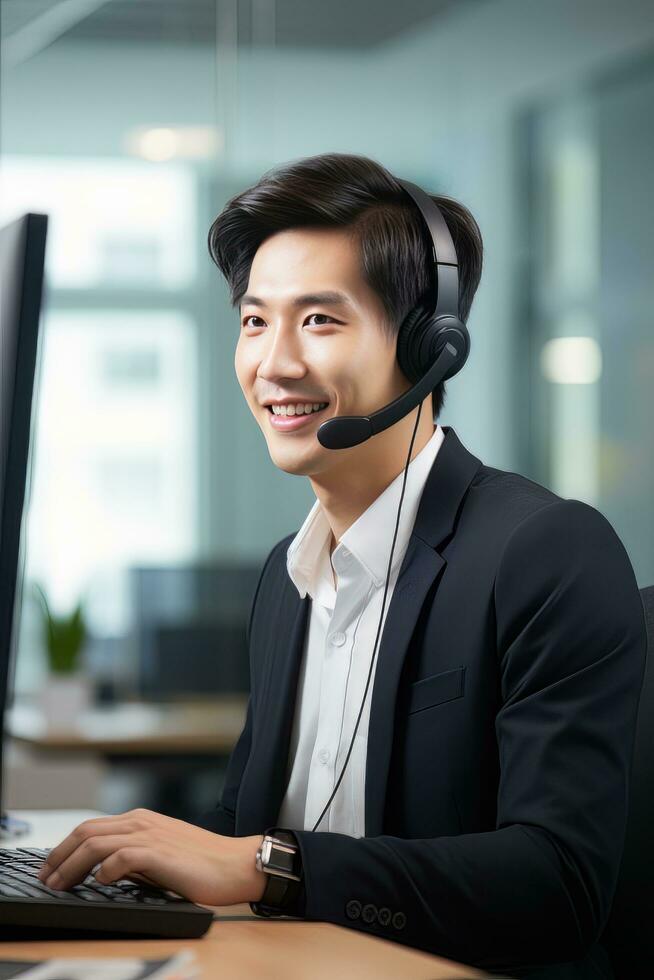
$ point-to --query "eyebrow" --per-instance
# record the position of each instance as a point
(327, 298)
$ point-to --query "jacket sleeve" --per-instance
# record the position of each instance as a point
(221, 819)
(571, 644)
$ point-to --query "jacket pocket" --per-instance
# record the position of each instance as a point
(430, 691)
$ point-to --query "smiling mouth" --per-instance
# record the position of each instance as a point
(299, 415)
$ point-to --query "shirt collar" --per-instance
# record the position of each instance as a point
(370, 538)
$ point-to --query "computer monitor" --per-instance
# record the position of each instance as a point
(22, 253)
(189, 631)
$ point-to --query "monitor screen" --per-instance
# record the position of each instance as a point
(22, 252)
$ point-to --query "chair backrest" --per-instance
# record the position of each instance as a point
(629, 934)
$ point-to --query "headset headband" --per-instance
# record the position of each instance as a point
(446, 271)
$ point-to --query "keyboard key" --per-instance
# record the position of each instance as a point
(88, 894)
(35, 886)
(7, 889)
(28, 869)
(22, 887)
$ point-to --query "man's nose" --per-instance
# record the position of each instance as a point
(283, 356)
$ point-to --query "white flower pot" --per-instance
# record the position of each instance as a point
(64, 698)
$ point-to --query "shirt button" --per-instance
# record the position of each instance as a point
(341, 560)
(324, 755)
(337, 639)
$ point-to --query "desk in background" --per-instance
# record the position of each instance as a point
(208, 727)
(69, 768)
(242, 945)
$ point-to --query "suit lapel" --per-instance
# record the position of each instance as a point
(264, 780)
(445, 488)
(419, 570)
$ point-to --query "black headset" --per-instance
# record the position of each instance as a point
(432, 345)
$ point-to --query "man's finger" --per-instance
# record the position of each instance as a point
(118, 824)
(91, 851)
(138, 877)
(133, 861)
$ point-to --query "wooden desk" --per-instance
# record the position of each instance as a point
(209, 727)
(240, 945)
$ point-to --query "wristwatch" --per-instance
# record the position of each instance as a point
(279, 858)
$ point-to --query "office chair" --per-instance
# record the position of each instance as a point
(629, 933)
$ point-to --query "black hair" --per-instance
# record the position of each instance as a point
(341, 190)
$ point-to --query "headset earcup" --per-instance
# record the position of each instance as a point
(409, 337)
(421, 338)
(446, 329)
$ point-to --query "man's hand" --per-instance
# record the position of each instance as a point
(150, 848)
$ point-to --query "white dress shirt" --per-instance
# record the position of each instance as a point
(340, 637)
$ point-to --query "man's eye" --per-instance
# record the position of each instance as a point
(252, 316)
(324, 316)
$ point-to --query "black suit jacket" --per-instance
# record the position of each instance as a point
(501, 730)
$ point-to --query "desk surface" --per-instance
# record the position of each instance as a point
(240, 945)
(211, 726)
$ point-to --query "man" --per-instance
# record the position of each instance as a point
(482, 811)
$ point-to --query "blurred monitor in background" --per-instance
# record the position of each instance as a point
(22, 253)
(190, 629)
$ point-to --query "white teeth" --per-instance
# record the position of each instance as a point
(299, 409)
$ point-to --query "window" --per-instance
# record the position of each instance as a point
(115, 421)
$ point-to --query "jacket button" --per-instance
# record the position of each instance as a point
(384, 916)
(399, 920)
(369, 913)
(353, 909)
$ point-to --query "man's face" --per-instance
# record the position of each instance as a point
(310, 351)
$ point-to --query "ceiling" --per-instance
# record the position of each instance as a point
(292, 23)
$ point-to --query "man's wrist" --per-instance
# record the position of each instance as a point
(254, 881)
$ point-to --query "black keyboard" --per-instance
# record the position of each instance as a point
(31, 910)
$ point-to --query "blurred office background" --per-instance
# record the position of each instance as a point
(131, 123)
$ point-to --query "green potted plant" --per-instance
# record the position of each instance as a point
(67, 690)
